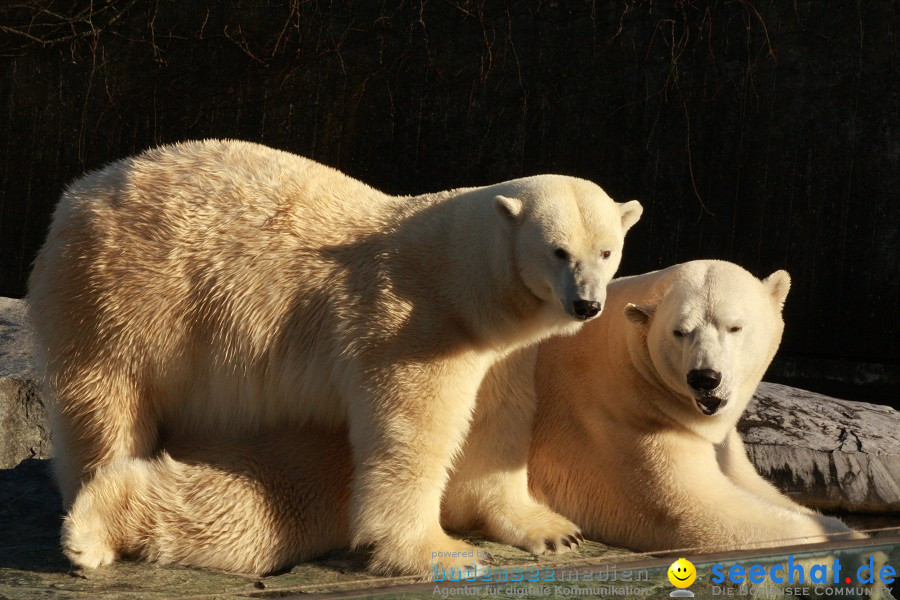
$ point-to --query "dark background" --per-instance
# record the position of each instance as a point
(762, 133)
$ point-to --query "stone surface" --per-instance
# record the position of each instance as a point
(827, 453)
(16, 348)
(23, 423)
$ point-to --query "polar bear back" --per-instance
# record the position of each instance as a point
(186, 260)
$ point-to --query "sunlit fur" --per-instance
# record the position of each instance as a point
(620, 446)
(256, 504)
(216, 289)
(249, 504)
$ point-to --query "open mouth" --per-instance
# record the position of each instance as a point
(710, 405)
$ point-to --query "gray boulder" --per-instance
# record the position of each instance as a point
(826, 453)
(24, 432)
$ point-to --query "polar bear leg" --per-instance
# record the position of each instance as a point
(97, 416)
(733, 460)
(726, 514)
(739, 518)
(249, 505)
(489, 486)
(402, 455)
(102, 524)
(499, 503)
(735, 464)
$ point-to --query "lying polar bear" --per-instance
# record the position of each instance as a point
(646, 400)
(635, 442)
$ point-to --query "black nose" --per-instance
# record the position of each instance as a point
(704, 379)
(585, 309)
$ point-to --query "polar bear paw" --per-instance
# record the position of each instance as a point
(440, 556)
(552, 535)
(538, 530)
(85, 538)
(835, 529)
(97, 529)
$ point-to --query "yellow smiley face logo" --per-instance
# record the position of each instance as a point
(682, 573)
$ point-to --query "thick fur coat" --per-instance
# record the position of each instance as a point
(635, 436)
(219, 289)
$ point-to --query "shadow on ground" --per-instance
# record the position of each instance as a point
(31, 513)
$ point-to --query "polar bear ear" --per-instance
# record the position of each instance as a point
(631, 212)
(778, 284)
(639, 313)
(510, 208)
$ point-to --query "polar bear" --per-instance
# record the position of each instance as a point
(645, 399)
(635, 462)
(220, 288)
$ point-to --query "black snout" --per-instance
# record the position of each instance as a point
(585, 309)
(704, 379)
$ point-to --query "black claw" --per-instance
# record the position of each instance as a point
(573, 539)
(551, 545)
(580, 537)
(566, 543)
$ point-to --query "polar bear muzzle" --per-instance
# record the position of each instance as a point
(710, 405)
(586, 309)
(704, 381)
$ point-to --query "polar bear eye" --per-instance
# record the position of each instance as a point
(606, 254)
(677, 333)
(560, 253)
(734, 329)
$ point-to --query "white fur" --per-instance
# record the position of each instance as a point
(224, 288)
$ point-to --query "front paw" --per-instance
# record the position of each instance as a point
(439, 556)
(537, 529)
(835, 529)
(86, 537)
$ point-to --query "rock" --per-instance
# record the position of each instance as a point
(16, 343)
(23, 422)
(826, 453)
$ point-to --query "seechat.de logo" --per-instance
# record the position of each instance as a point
(682, 574)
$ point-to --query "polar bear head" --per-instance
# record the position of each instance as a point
(709, 337)
(569, 241)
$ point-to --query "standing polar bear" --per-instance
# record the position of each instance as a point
(646, 399)
(220, 288)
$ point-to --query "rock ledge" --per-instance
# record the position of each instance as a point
(827, 453)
